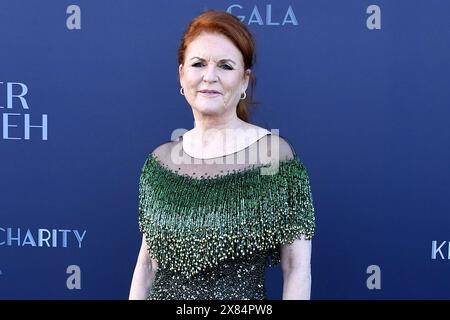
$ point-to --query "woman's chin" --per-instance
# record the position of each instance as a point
(210, 109)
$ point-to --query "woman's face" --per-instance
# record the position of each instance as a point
(213, 74)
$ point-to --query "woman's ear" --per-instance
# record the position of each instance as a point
(180, 73)
(247, 75)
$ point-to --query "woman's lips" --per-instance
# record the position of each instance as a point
(209, 93)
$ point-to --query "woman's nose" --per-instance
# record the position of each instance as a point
(210, 74)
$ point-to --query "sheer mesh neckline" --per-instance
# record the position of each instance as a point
(249, 170)
(171, 161)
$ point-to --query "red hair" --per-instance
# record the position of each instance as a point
(231, 27)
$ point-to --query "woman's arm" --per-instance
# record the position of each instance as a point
(144, 274)
(296, 267)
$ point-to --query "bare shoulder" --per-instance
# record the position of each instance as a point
(259, 131)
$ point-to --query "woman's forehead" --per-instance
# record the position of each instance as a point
(213, 47)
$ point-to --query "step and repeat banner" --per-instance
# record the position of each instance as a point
(359, 88)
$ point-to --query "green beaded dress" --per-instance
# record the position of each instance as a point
(214, 225)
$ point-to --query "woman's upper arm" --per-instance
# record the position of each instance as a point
(144, 255)
(296, 254)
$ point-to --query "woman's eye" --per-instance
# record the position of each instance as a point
(226, 67)
(197, 64)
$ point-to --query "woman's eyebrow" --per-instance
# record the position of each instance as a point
(223, 60)
(228, 60)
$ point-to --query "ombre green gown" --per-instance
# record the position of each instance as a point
(214, 225)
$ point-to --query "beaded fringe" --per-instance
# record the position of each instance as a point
(193, 224)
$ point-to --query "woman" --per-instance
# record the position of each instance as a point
(224, 197)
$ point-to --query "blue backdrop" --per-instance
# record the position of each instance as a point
(359, 88)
